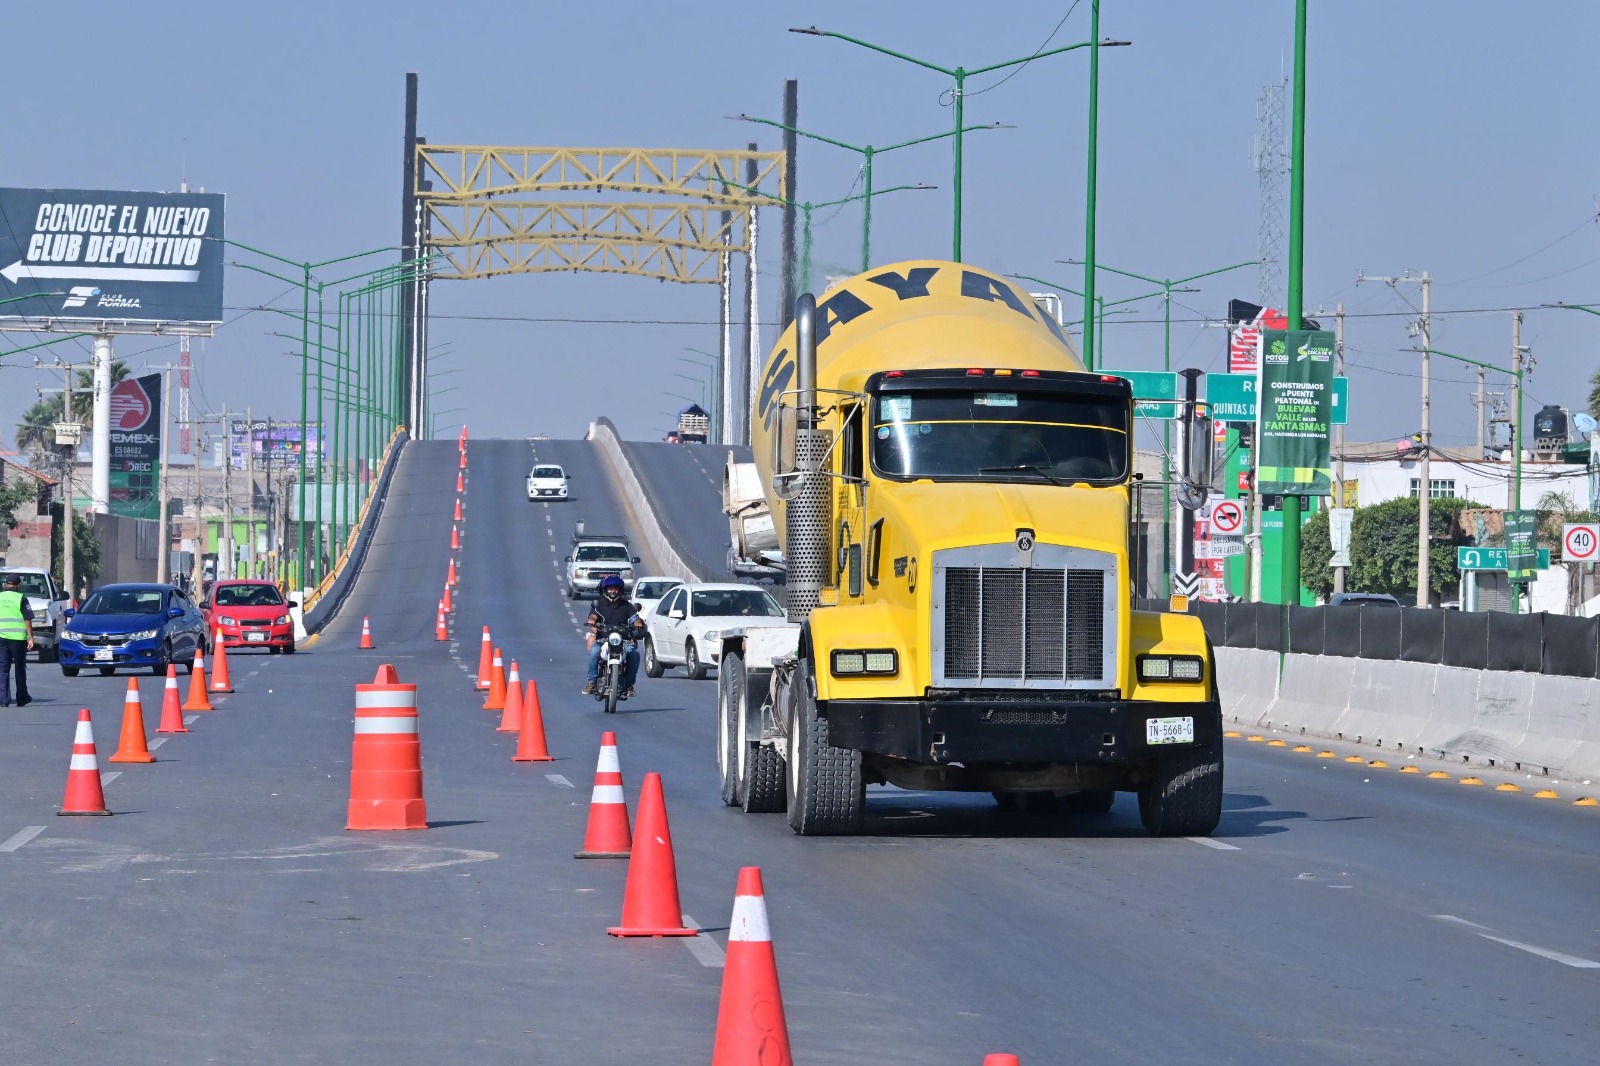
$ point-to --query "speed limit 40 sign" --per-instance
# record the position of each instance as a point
(1580, 542)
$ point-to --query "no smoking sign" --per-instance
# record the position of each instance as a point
(1227, 517)
(1580, 543)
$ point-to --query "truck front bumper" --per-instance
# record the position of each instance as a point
(940, 732)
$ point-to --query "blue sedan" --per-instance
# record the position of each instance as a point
(132, 625)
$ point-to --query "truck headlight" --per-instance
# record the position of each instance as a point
(854, 662)
(583, 571)
(1182, 669)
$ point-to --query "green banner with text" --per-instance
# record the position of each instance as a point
(1295, 412)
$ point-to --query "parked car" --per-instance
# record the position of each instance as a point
(138, 625)
(49, 606)
(547, 481)
(249, 614)
(1362, 599)
(649, 590)
(686, 626)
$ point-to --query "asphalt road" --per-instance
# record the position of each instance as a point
(685, 483)
(1342, 913)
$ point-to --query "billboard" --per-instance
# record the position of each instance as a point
(136, 425)
(83, 254)
(1245, 323)
(276, 444)
(1295, 413)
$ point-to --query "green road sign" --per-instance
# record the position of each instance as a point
(1150, 389)
(1233, 398)
(1493, 559)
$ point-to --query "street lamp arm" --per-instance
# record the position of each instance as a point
(41, 344)
(1219, 270)
(799, 132)
(296, 282)
(1572, 307)
(1048, 284)
(812, 31)
(875, 192)
(1041, 55)
(946, 133)
(1162, 281)
(29, 296)
(1464, 359)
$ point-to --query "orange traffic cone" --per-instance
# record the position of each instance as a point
(750, 1022)
(607, 836)
(650, 902)
(366, 634)
(133, 747)
(1001, 1059)
(530, 739)
(458, 508)
(198, 699)
(84, 794)
(386, 759)
(511, 718)
(461, 483)
(387, 675)
(440, 630)
(450, 577)
(171, 712)
(445, 599)
(485, 660)
(496, 700)
(463, 435)
(455, 537)
(220, 682)
(463, 458)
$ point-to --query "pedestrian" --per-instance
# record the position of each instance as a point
(16, 640)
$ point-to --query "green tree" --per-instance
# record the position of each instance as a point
(1316, 548)
(1594, 394)
(35, 433)
(85, 550)
(1383, 545)
(20, 493)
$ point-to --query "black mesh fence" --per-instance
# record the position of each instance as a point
(1531, 643)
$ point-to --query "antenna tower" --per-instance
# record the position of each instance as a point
(1270, 161)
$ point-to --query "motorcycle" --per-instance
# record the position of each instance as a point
(613, 663)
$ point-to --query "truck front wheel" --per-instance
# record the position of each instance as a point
(827, 792)
(1184, 798)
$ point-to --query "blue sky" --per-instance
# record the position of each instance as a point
(1441, 137)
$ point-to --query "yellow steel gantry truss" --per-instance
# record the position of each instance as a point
(483, 224)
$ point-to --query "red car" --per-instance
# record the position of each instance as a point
(249, 614)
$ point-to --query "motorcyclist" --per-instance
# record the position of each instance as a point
(612, 608)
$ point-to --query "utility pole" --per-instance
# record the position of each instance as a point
(197, 567)
(1478, 402)
(1424, 479)
(67, 513)
(1424, 471)
(250, 498)
(225, 536)
(1338, 433)
(272, 510)
(163, 518)
(1514, 495)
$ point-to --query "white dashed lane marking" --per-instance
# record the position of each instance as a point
(705, 950)
(106, 779)
(22, 838)
(558, 779)
(156, 743)
(1484, 931)
(1208, 842)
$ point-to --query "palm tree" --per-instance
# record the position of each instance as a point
(35, 433)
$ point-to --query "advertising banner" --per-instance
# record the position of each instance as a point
(1522, 551)
(136, 425)
(1295, 412)
(1246, 321)
(83, 254)
(276, 444)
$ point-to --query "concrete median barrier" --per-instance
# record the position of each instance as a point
(666, 555)
(1247, 684)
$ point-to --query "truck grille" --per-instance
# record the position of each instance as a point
(1008, 626)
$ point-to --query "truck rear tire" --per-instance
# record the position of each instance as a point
(762, 776)
(1184, 799)
(730, 702)
(827, 791)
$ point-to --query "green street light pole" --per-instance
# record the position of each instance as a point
(1168, 287)
(867, 153)
(960, 75)
(1290, 563)
(1100, 302)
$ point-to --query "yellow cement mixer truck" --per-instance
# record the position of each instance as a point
(951, 493)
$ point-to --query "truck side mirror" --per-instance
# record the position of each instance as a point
(1195, 482)
(568, 559)
(636, 558)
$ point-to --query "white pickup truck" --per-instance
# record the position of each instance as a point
(595, 556)
(48, 604)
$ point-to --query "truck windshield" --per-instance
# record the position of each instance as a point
(960, 435)
(601, 553)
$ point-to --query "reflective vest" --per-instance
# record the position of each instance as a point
(14, 614)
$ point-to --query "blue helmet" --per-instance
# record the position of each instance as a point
(611, 581)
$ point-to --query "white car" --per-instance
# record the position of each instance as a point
(686, 626)
(650, 589)
(48, 605)
(547, 481)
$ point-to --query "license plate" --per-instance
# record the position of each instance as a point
(1169, 731)
(102, 655)
(255, 636)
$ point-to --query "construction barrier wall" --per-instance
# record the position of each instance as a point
(668, 549)
(324, 601)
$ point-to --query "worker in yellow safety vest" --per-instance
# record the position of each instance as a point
(16, 640)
